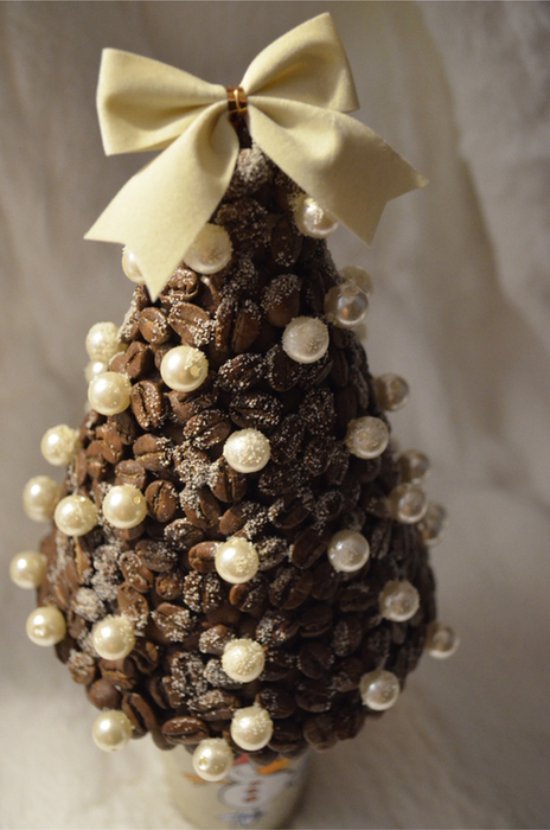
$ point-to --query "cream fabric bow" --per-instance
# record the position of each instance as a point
(297, 89)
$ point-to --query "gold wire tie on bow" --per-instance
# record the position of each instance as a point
(237, 101)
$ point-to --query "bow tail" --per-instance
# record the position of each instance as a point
(160, 210)
(341, 163)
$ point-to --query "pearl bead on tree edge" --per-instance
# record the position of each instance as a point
(212, 759)
(211, 251)
(124, 506)
(441, 642)
(75, 515)
(59, 444)
(399, 601)
(305, 339)
(379, 689)
(311, 219)
(130, 266)
(102, 342)
(109, 393)
(28, 569)
(243, 660)
(184, 368)
(40, 496)
(111, 730)
(367, 437)
(113, 637)
(251, 728)
(348, 551)
(46, 626)
(236, 560)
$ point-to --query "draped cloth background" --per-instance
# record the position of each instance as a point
(460, 308)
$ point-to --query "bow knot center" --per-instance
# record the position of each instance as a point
(237, 101)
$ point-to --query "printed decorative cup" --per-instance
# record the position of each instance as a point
(261, 797)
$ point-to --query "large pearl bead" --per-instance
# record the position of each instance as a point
(94, 368)
(441, 642)
(184, 368)
(109, 393)
(346, 305)
(359, 277)
(28, 569)
(432, 525)
(40, 495)
(113, 637)
(414, 466)
(251, 728)
(212, 759)
(75, 515)
(247, 450)
(311, 219)
(58, 445)
(392, 391)
(124, 506)
(236, 560)
(243, 660)
(379, 689)
(130, 266)
(111, 730)
(367, 437)
(305, 339)
(211, 251)
(102, 342)
(399, 601)
(46, 626)
(348, 551)
(407, 503)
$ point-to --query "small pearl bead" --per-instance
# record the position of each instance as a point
(247, 450)
(111, 730)
(407, 503)
(124, 506)
(392, 391)
(414, 466)
(432, 526)
(212, 759)
(184, 368)
(399, 601)
(58, 445)
(348, 551)
(379, 689)
(211, 251)
(130, 266)
(28, 569)
(311, 219)
(367, 437)
(305, 339)
(109, 393)
(40, 495)
(46, 626)
(94, 368)
(113, 637)
(359, 277)
(243, 660)
(102, 342)
(75, 515)
(236, 560)
(251, 728)
(442, 642)
(346, 305)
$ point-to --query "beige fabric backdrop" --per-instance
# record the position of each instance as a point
(461, 309)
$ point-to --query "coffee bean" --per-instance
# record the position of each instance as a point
(339, 373)
(130, 472)
(318, 411)
(133, 604)
(208, 429)
(173, 621)
(215, 705)
(286, 441)
(148, 406)
(214, 640)
(136, 361)
(201, 557)
(315, 659)
(135, 572)
(314, 695)
(287, 737)
(182, 286)
(278, 702)
(347, 635)
(104, 695)
(318, 454)
(139, 713)
(241, 373)
(276, 628)
(289, 512)
(120, 673)
(281, 299)
(145, 656)
(347, 675)
(162, 500)
(191, 322)
(156, 556)
(153, 452)
(307, 548)
(250, 597)
(246, 327)
(285, 243)
(315, 620)
(82, 667)
(153, 326)
(256, 410)
(282, 372)
(290, 588)
(202, 592)
(185, 729)
(345, 403)
(200, 507)
(185, 405)
(226, 484)
(216, 676)
(272, 551)
(279, 665)
(338, 465)
(320, 731)
(349, 721)
(111, 442)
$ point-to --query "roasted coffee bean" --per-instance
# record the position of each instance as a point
(82, 667)
(250, 597)
(208, 429)
(200, 507)
(315, 620)
(173, 621)
(285, 242)
(191, 322)
(80, 468)
(156, 556)
(135, 572)
(162, 500)
(120, 673)
(226, 484)
(278, 702)
(320, 731)
(96, 453)
(256, 410)
(133, 604)
(282, 372)
(314, 374)
(169, 585)
(315, 659)
(345, 403)
(245, 222)
(328, 507)
(137, 361)
(281, 299)
(223, 326)
(289, 512)
(241, 373)
(131, 472)
(359, 383)
(347, 635)
(272, 550)
(213, 640)
(182, 286)
(202, 592)
(318, 411)
(286, 441)
(307, 548)
(191, 464)
(349, 722)
(339, 372)
(181, 534)
(278, 480)
(226, 614)
(240, 515)
(153, 326)
(356, 596)
(276, 628)
(246, 327)
(290, 588)
(111, 443)
(145, 655)
(287, 736)
(338, 465)
(347, 674)
(279, 665)
(201, 557)
(147, 402)
(139, 713)
(185, 729)
(314, 695)
(215, 705)
(252, 171)
(104, 695)
(185, 405)
(82, 561)
(153, 452)
(216, 676)
(318, 454)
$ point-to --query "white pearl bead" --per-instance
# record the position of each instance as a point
(442, 641)
(236, 560)
(247, 450)
(28, 569)
(243, 660)
(392, 391)
(379, 689)
(432, 525)
(94, 368)
(211, 251)
(109, 393)
(251, 728)
(46, 626)
(311, 219)
(359, 277)
(130, 266)
(348, 551)
(75, 515)
(346, 305)
(124, 506)
(212, 759)
(113, 637)
(367, 437)
(102, 342)
(184, 368)
(407, 503)
(414, 466)
(40, 495)
(111, 730)
(305, 339)
(399, 601)
(59, 444)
